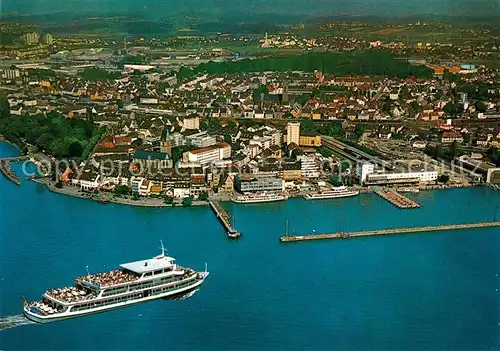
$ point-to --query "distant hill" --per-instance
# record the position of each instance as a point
(156, 9)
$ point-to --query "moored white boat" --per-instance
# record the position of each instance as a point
(156, 278)
(333, 193)
(261, 197)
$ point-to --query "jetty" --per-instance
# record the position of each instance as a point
(15, 159)
(223, 216)
(8, 172)
(390, 231)
(397, 199)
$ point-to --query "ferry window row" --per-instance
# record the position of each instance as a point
(172, 287)
(150, 283)
(159, 271)
(106, 302)
(115, 291)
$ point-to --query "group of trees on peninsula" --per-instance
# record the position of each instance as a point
(52, 133)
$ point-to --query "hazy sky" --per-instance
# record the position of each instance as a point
(220, 7)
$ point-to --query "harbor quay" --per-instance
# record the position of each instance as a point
(8, 172)
(397, 199)
(425, 229)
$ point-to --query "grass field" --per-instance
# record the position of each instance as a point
(389, 31)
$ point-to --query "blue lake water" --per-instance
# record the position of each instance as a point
(432, 291)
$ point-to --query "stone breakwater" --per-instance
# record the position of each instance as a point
(390, 231)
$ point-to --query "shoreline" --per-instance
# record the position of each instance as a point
(109, 198)
(6, 141)
(72, 191)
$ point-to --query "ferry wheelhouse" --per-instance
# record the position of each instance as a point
(336, 192)
(259, 197)
(140, 281)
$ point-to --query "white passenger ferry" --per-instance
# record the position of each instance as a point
(155, 278)
(260, 197)
(336, 192)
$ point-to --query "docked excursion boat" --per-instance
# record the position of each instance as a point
(140, 281)
(259, 197)
(333, 193)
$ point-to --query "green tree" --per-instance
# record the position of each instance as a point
(359, 130)
(335, 180)
(257, 93)
(481, 106)
(451, 109)
(354, 63)
(334, 130)
(444, 178)
(324, 151)
(494, 155)
(454, 149)
(187, 201)
(75, 149)
(122, 190)
(344, 166)
(179, 150)
(96, 74)
(203, 196)
(4, 107)
(137, 142)
(308, 126)
(326, 166)
(212, 126)
(437, 151)
(168, 200)
(439, 94)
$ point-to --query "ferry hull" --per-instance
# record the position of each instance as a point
(69, 315)
(255, 201)
(329, 197)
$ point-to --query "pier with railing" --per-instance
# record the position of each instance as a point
(390, 231)
(224, 218)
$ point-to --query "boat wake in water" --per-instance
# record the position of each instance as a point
(185, 296)
(14, 321)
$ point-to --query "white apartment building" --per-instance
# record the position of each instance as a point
(11, 74)
(263, 142)
(403, 177)
(293, 133)
(208, 155)
(367, 175)
(140, 186)
(275, 135)
(308, 167)
(31, 38)
(362, 170)
(202, 139)
(48, 39)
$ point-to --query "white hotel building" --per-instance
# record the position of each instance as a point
(208, 155)
(308, 167)
(368, 176)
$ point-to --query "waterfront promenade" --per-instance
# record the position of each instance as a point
(389, 231)
(105, 197)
